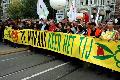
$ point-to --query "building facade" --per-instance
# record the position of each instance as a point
(110, 6)
(105, 8)
(5, 4)
(101, 4)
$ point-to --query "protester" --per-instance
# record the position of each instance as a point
(81, 30)
(60, 27)
(111, 33)
(52, 27)
(89, 29)
(86, 17)
(69, 26)
(106, 30)
(36, 26)
(84, 27)
(44, 25)
(73, 27)
(118, 21)
(119, 34)
(98, 32)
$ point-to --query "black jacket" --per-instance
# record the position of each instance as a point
(46, 27)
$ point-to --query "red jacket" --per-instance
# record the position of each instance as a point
(98, 32)
(52, 28)
(86, 17)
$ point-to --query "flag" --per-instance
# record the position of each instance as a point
(73, 11)
(97, 17)
(42, 10)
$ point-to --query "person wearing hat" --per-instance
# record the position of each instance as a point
(111, 33)
(98, 32)
(44, 25)
(91, 29)
(52, 27)
(81, 30)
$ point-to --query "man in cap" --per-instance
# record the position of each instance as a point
(111, 33)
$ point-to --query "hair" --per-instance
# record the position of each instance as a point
(57, 25)
(93, 23)
(60, 23)
(37, 22)
(69, 24)
(80, 27)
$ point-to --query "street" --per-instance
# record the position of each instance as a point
(26, 65)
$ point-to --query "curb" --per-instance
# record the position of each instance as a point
(5, 53)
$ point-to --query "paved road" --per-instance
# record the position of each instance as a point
(6, 49)
(41, 66)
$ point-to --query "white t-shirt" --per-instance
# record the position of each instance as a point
(116, 21)
(109, 35)
(43, 27)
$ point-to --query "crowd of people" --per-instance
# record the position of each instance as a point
(99, 30)
(75, 27)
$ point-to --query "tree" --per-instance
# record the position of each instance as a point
(0, 8)
(14, 10)
(23, 9)
(29, 8)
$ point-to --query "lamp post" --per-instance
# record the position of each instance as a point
(90, 7)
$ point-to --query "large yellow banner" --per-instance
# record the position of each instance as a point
(94, 50)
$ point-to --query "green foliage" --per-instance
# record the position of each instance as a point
(29, 8)
(23, 9)
(0, 8)
(14, 10)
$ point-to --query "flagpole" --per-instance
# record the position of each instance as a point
(53, 13)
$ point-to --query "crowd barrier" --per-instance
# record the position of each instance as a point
(92, 50)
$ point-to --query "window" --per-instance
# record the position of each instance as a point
(4, 2)
(103, 2)
(86, 2)
(113, 0)
(61, 11)
(90, 1)
(108, 2)
(95, 1)
(5, 5)
(81, 3)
